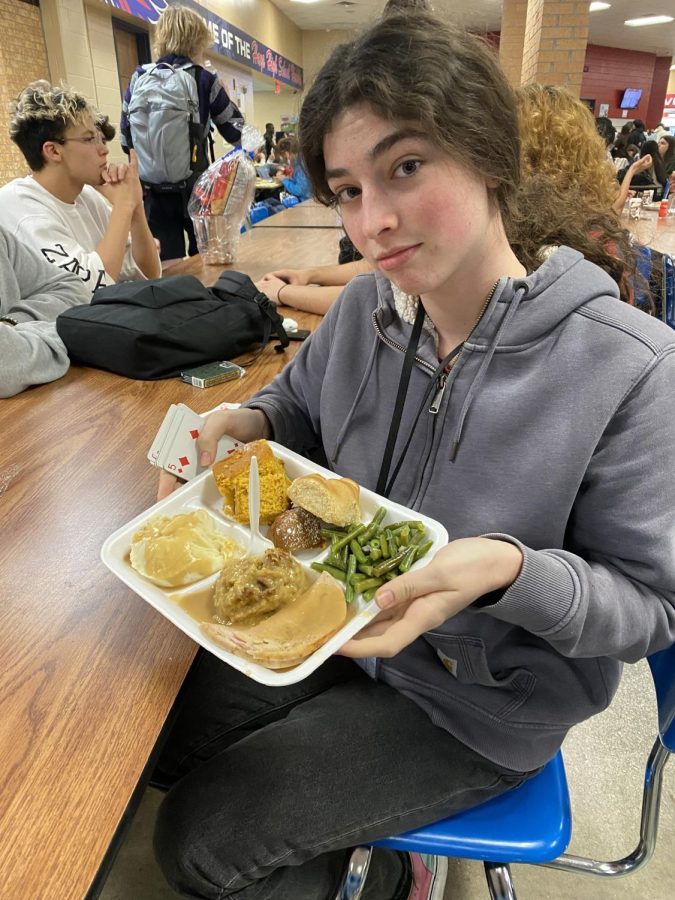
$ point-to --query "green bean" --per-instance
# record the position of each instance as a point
(423, 549)
(384, 546)
(331, 570)
(351, 566)
(334, 561)
(389, 576)
(343, 541)
(370, 583)
(355, 547)
(349, 592)
(344, 555)
(357, 577)
(374, 555)
(412, 523)
(367, 570)
(332, 532)
(391, 540)
(368, 595)
(333, 542)
(389, 564)
(408, 558)
(403, 536)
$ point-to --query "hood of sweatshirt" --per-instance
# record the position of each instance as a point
(546, 297)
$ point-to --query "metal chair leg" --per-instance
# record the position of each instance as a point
(500, 883)
(355, 879)
(649, 825)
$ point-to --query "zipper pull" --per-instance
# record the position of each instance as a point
(438, 396)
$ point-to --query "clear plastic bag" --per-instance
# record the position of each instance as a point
(221, 199)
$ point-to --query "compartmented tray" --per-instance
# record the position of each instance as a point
(202, 493)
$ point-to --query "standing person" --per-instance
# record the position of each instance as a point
(173, 153)
(60, 209)
(269, 140)
(542, 440)
(32, 294)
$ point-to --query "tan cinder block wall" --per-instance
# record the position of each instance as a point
(512, 39)
(101, 45)
(23, 58)
(556, 34)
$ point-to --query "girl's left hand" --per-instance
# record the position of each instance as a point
(270, 285)
(420, 601)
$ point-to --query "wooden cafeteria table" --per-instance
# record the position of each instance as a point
(89, 670)
(304, 215)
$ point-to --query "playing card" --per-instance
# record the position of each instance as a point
(180, 454)
(175, 448)
(160, 437)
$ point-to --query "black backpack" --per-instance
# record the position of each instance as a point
(160, 327)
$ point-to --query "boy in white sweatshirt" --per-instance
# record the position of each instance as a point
(81, 213)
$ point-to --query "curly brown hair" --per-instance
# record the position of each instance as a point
(568, 186)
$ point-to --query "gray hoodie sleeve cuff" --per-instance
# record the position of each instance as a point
(544, 595)
(275, 416)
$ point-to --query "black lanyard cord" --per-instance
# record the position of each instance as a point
(384, 485)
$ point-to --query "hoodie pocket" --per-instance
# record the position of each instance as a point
(494, 689)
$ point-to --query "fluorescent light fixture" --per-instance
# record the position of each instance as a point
(648, 20)
(596, 6)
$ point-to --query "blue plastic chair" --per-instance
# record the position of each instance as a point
(289, 201)
(532, 823)
(258, 213)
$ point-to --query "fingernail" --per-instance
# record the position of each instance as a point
(385, 599)
(204, 458)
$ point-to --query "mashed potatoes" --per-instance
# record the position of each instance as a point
(173, 551)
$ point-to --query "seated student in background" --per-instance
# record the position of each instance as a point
(296, 183)
(81, 213)
(562, 151)
(311, 290)
(32, 294)
(650, 171)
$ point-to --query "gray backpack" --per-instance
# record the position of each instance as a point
(164, 124)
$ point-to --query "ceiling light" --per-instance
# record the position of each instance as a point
(596, 6)
(305, 1)
(648, 20)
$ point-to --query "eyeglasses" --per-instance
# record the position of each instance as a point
(91, 139)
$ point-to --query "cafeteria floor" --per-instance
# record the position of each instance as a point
(605, 760)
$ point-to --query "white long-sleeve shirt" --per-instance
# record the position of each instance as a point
(66, 234)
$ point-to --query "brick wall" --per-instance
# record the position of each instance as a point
(23, 58)
(611, 70)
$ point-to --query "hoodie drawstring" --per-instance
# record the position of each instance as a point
(474, 387)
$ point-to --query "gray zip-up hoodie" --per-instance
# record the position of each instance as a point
(555, 430)
(33, 292)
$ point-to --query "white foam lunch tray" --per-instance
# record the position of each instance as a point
(202, 493)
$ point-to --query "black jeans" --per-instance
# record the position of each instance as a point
(169, 222)
(276, 785)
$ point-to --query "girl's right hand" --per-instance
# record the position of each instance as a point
(243, 424)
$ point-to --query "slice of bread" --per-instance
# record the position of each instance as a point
(335, 500)
(289, 636)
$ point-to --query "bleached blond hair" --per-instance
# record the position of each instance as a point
(43, 112)
(181, 31)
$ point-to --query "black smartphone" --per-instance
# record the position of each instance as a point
(299, 335)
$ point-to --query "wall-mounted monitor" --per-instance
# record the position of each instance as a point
(630, 98)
